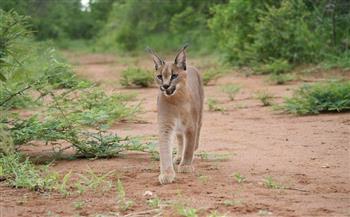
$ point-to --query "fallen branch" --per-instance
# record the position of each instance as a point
(296, 189)
(142, 213)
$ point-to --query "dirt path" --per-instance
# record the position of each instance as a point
(308, 155)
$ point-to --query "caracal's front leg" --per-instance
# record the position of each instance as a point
(167, 173)
(185, 165)
(179, 151)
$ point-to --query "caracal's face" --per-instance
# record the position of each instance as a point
(170, 78)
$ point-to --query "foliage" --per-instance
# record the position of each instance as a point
(231, 90)
(52, 19)
(25, 63)
(131, 25)
(20, 101)
(255, 32)
(276, 66)
(265, 97)
(93, 107)
(136, 77)
(333, 96)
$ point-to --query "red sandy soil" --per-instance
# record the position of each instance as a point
(308, 155)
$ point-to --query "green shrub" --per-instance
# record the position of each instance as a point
(211, 75)
(284, 32)
(252, 32)
(276, 66)
(10, 100)
(136, 77)
(333, 96)
(12, 33)
(95, 107)
(231, 90)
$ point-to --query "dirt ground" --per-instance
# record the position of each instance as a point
(308, 155)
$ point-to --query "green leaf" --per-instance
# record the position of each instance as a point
(2, 77)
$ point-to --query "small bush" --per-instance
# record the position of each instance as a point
(264, 97)
(280, 79)
(136, 77)
(333, 96)
(231, 90)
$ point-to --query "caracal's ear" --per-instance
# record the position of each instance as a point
(158, 62)
(180, 59)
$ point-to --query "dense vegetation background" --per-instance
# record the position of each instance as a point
(244, 32)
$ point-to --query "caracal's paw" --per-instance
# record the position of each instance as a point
(166, 178)
(176, 160)
(185, 168)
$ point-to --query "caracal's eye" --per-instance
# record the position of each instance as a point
(160, 77)
(174, 76)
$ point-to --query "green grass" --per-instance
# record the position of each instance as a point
(20, 173)
(136, 77)
(265, 97)
(231, 90)
(239, 178)
(214, 106)
(78, 204)
(123, 203)
(269, 182)
(187, 211)
(332, 96)
(154, 202)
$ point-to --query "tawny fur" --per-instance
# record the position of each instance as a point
(180, 108)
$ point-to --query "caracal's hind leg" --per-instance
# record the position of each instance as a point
(185, 165)
(198, 130)
(180, 145)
